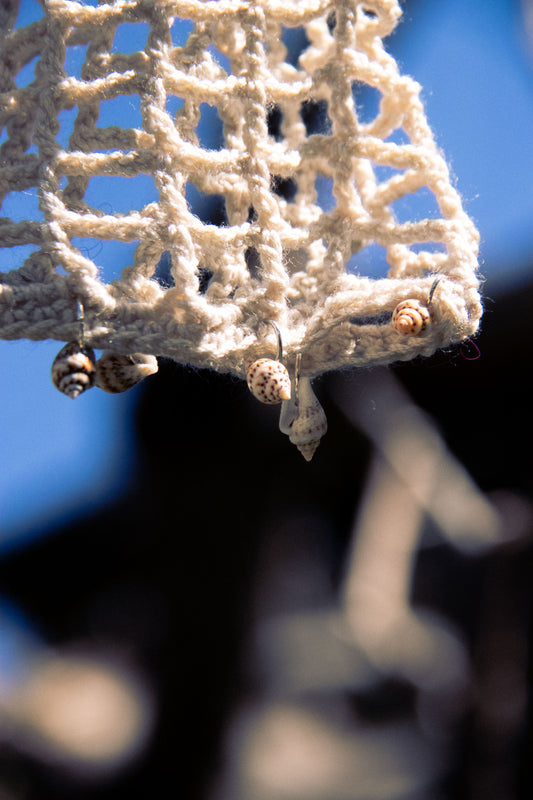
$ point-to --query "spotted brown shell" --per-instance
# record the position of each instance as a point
(269, 381)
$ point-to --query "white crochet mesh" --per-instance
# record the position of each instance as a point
(299, 206)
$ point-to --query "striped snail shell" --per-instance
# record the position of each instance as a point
(304, 420)
(73, 369)
(410, 317)
(118, 373)
(269, 381)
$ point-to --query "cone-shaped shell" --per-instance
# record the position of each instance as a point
(305, 421)
(410, 317)
(118, 373)
(73, 369)
(269, 381)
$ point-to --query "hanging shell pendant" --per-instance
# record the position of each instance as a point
(269, 381)
(118, 373)
(410, 317)
(304, 420)
(73, 369)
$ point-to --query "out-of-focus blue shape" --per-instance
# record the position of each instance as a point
(59, 457)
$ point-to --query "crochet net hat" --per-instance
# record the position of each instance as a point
(300, 204)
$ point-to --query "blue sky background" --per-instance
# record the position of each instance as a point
(60, 458)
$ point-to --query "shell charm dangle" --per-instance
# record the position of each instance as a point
(410, 318)
(118, 373)
(73, 369)
(269, 381)
(303, 419)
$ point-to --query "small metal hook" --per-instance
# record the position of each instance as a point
(279, 356)
(80, 318)
(432, 290)
(297, 368)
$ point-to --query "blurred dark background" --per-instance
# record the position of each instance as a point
(165, 574)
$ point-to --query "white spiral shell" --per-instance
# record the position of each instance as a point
(269, 381)
(410, 317)
(304, 420)
(118, 373)
(73, 369)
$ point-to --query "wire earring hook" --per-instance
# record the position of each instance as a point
(432, 290)
(80, 319)
(297, 368)
(279, 356)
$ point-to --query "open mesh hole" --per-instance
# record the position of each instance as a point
(274, 120)
(110, 256)
(67, 119)
(210, 129)
(428, 247)
(75, 57)
(324, 192)
(418, 205)
(315, 116)
(204, 279)
(173, 104)
(398, 136)
(32, 13)
(12, 258)
(370, 260)
(128, 193)
(296, 42)
(163, 271)
(130, 37)
(209, 208)
(180, 30)
(26, 75)
(284, 187)
(19, 206)
(119, 110)
(384, 172)
(367, 100)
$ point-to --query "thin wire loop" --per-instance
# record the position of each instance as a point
(432, 290)
(279, 356)
(80, 318)
(297, 375)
